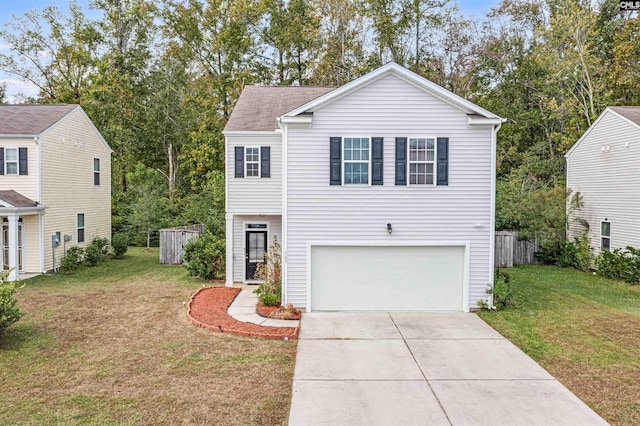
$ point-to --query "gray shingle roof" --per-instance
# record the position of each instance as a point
(258, 106)
(16, 199)
(630, 112)
(31, 119)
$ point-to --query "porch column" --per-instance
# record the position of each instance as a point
(13, 246)
(229, 251)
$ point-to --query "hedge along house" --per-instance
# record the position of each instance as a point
(611, 196)
(381, 193)
(55, 184)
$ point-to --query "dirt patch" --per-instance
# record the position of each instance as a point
(208, 308)
(278, 312)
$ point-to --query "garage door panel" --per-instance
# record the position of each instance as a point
(401, 278)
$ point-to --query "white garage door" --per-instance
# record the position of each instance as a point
(394, 278)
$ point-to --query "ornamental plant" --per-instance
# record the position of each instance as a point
(270, 273)
(9, 311)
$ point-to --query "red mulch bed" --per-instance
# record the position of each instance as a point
(208, 308)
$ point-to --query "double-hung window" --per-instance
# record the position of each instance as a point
(357, 161)
(11, 161)
(252, 161)
(96, 171)
(605, 236)
(422, 161)
(80, 226)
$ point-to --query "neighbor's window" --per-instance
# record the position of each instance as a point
(605, 236)
(96, 171)
(422, 153)
(252, 161)
(80, 227)
(356, 161)
(11, 161)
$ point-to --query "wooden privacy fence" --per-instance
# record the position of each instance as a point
(510, 251)
(173, 240)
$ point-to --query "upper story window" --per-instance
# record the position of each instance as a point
(252, 163)
(11, 161)
(605, 236)
(357, 161)
(96, 171)
(422, 161)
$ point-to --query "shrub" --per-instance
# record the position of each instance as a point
(95, 251)
(72, 259)
(9, 311)
(564, 253)
(620, 264)
(120, 244)
(270, 273)
(204, 256)
(502, 291)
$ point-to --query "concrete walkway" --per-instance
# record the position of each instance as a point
(243, 308)
(419, 369)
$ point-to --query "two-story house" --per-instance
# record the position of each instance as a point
(55, 185)
(381, 193)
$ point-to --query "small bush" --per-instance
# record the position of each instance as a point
(96, 251)
(270, 273)
(564, 253)
(9, 311)
(204, 256)
(502, 291)
(72, 259)
(620, 264)
(120, 244)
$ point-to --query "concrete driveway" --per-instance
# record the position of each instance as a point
(419, 369)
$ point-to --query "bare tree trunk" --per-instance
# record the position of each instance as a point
(172, 173)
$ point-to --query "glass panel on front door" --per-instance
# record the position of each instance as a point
(256, 245)
(5, 246)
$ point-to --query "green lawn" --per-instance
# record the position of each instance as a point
(584, 329)
(113, 345)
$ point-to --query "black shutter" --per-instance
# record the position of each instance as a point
(22, 160)
(335, 157)
(1, 161)
(401, 161)
(239, 161)
(443, 161)
(265, 161)
(377, 152)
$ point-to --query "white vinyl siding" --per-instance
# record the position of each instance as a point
(608, 181)
(390, 108)
(250, 195)
(239, 223)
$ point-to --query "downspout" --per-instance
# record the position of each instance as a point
(36, 140)
(492, 223)
(283, 217)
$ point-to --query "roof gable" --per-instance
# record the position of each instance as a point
(258, 107)
(629, 114)
(404, 74)
(31, 120)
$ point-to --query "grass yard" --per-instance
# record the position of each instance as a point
(584, 329)
(112, 344)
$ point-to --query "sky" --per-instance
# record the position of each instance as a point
(8, 8)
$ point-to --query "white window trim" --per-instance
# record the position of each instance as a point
(84, 219)
(343, 161)
(6, 169)
(605, 236)
(245, 227)
(99, 171)
(434, 162)
(246, 162)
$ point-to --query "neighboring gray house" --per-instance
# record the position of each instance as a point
(381, 193)
(603, 167)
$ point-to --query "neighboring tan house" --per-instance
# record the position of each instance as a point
(603, 166)
(381, 193)
(55, 183)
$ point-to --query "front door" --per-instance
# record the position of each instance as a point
(5, 246)
(256, 246)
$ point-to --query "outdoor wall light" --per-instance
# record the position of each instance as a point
(389, 228)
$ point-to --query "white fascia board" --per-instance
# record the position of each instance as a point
(485, 121)
(6, 136)
(300, 119)
(251, 133)
(405, 74)
(22, 210)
